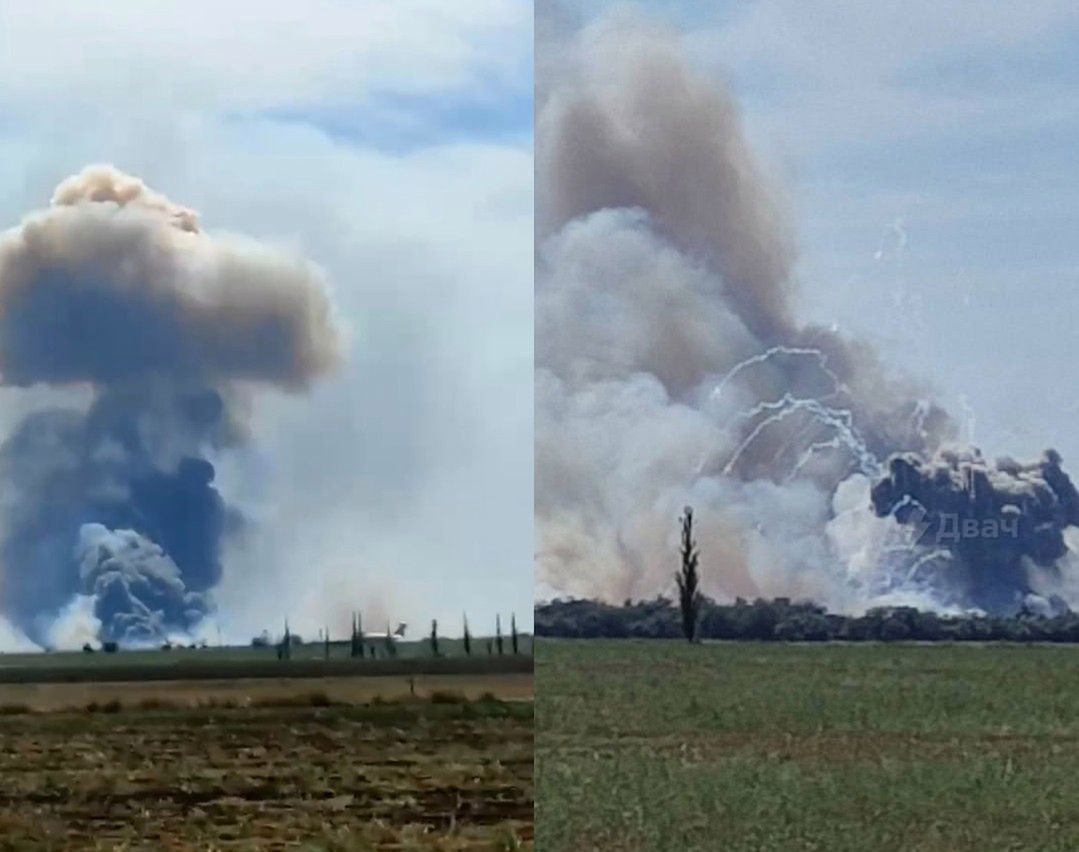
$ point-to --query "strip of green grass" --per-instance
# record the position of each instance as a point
(657, 745)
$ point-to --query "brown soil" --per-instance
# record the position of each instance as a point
(393, 776)
(350, 690)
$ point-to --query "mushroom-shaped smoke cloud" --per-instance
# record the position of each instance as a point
(115, 287)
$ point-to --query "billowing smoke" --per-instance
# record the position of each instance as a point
(989, 518)
(116, 292)
(136, 582)
(670, 367)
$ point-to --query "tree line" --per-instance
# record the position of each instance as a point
(695, 616)
(781, 619)
(364, 645)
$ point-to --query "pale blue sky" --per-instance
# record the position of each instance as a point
(955, 124)
(401, 123)
(389, 141)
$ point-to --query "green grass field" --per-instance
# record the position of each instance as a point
(644, 745)
(307, 660)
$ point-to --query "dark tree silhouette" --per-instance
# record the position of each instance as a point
(689, 592)
(513, 632)
(784, 620)
(434, 638)
(356, 644)
(391, 648)
(468, 639)
(284, 650)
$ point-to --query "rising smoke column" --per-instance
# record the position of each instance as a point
(670, 366)
(116, 289)
(671, 369)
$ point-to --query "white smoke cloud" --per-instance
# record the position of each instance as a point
(13, 640)
(670, 368)
(76, 625)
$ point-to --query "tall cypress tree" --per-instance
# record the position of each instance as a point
(689, 593)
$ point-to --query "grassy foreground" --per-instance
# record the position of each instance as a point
(644, 745)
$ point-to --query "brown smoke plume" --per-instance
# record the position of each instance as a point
(114, 282)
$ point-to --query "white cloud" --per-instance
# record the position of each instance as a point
(252, 55)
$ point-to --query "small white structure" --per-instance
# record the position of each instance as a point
(399, 633)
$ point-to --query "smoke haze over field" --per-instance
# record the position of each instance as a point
(115, 288)
(671, 369)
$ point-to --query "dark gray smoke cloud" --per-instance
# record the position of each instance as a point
(670, 365)
(988, 517)
(138, 590)
(115, 288)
